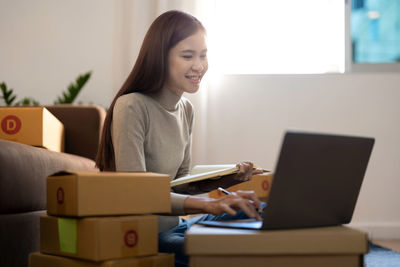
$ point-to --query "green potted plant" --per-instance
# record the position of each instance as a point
(67, 97)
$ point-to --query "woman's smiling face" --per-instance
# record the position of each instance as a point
(187, 64)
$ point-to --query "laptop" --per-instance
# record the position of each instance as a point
(316, 182)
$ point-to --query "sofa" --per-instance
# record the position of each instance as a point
(23, 172)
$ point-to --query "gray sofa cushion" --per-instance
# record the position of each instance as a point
(20, 235)
(23, 172)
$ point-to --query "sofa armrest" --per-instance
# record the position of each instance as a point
(23, 174)
(83, 125)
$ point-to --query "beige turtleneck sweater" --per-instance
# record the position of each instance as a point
(152, 133)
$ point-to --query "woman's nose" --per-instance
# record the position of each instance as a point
(198, 65)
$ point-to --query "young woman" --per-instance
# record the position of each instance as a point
(149, 125)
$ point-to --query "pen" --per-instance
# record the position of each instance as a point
(223, 191)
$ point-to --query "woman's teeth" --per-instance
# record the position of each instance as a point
(194, 78)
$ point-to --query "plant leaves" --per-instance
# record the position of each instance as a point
(73, 90)
(27, 101)
(7, 94)
(12, 99)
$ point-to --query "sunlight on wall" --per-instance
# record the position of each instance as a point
(262, 37)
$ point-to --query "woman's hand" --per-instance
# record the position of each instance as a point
(246, 170)
(240, 200)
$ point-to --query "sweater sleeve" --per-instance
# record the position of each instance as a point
(128, 135)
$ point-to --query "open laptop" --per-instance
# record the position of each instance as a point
(316, 182)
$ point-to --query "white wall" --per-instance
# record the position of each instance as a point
(45, 44)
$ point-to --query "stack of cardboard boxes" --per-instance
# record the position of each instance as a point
(99, 219)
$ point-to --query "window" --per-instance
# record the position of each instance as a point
(375, 31)
(375, 34)
(300, 37)
(269, 36)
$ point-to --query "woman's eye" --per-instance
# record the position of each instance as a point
(203, 56)
(187, 57)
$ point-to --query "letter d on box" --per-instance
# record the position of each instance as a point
(11, 124)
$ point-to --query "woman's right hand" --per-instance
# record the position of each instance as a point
(246, 201)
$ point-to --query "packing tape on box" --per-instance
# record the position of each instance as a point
(67, 235)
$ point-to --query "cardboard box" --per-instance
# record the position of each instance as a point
(260, 183)
(34, 126)
(324, 246)
(82, 194)
(37, 259)
(99, 238)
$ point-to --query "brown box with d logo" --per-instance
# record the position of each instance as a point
(81, 194)
(34, 126)
(99, 238)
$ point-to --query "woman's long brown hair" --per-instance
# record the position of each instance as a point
(150, 70)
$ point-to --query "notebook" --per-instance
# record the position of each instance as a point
(316, 182)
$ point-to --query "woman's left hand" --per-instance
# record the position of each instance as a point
(246, 171)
